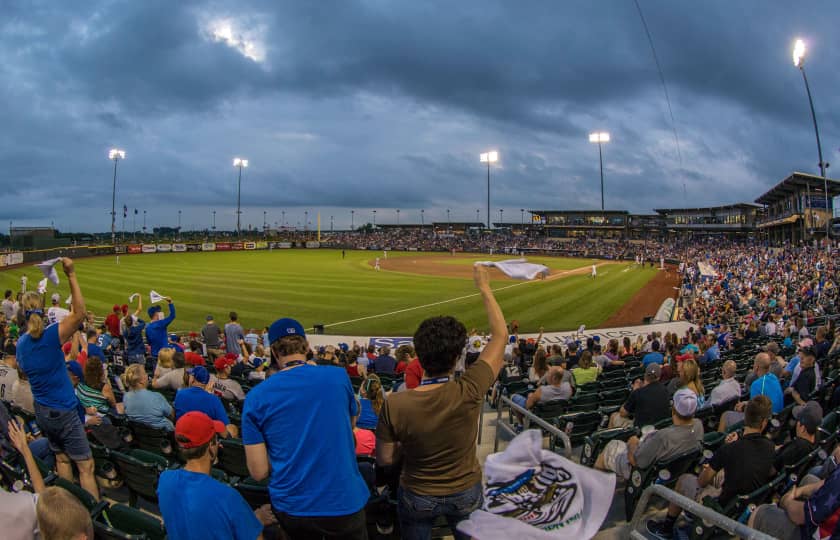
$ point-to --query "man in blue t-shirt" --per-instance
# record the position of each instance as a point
(296, 428)
(192, 503)
(92, 348)
(765, 384)
(196, 397)
(156, 333)
(654, 356)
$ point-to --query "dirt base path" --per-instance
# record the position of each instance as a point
(441, 266)
(646, 301)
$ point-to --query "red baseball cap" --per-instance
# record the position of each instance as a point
(116, 307)
(194, 359)
(124, 308)
(222, 362)
(197, 428)
(66, 347)
(684, 357)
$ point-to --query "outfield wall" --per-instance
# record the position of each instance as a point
(550, 338)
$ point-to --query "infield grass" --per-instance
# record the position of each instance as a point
(318, 287)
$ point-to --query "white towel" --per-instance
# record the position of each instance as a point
(155, 297)
(42, 286)
(48, 268)
(518, 268)
(133, 296)
(69, 300)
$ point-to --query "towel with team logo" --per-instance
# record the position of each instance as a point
(518, 268)
(531, 493)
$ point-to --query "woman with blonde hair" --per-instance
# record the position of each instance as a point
(689, 378)
(143, 405)
(40, 357)
(165, 362)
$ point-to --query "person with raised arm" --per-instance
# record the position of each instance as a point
(433, 428)
(40, 357)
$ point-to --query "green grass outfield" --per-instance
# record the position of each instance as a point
(317, 286)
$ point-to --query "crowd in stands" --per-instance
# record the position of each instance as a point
(349, 440)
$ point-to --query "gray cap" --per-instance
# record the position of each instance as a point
(653, 371)
(685, 402)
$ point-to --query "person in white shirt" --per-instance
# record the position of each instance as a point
(8, 306)
(728, 388)
(8, 378)
(594, 271)
(56, 313)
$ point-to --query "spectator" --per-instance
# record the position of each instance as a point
(353, 368)
(252, 338)
(654, 356)
(728, 388)
(572, 355)
(647, 404)
(174, 342)
(811, 510)
(8, 305)
(808, 420)
(712, 351)
(384, 364)
(193, 504)
(95, 391)
(18, 509)
(746, 463)
(8, 377)
(538, 371)
(405, 354)
(413, 374)
(435, 426)
(92, 348)
(143, 405)
(683, 436)
(112, 321)
(133, 328)
(689, 377)
(225, 387)
(195, 397)
(558, 387)
(62, 517)
(626, 347)
(193, 355)
(170, 377)
(233, 334)
(371, 399)
(296, 426)
(22, 393)
(156, 330)
(802, 386)
(56, 313)
(765, 384)
(556, 358)
(365, 440)
(39, 355)
(212, 336)
(586, 371)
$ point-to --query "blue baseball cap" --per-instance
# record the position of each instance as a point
(76, 369)
(285, 327)
(201, 374)
(152, 310)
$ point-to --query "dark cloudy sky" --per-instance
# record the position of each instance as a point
(382, 104)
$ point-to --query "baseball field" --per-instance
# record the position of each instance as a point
(349, 297)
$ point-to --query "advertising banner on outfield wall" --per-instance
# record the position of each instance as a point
(237, 246)
(249, 245)
(149, 248)
(208, 246)
(222, 246)
(135, 248)
(179, 247)
(261, 245)
(119, 249)
(313, 245)
(14, 258)
(280, 245)
(193, 247)
(549, 338)
(164, 248)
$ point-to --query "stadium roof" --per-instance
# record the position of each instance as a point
(746, 206)
(795, 182)
(593, 211)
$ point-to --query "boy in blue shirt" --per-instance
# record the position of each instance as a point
(156, 333)
(195, 397)
(192, 503)
(296, 429)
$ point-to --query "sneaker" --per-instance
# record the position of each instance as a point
(659, 530)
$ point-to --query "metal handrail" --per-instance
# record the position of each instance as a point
(704, 513)
(529, 418)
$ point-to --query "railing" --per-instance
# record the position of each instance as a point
(528, 419)
(693, 507)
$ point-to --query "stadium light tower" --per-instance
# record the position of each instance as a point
(374, 219)
(398, 216)
(799, 50)
(522, 215)
(488, 158)
(501, 216)
(114, 154)
(422, 217)
(352, 220)
(600, 137)
(239, 162)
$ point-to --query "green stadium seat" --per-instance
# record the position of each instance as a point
(121, 522)
(156, 440)
(140, 470)
(665, 472)
(232, 458)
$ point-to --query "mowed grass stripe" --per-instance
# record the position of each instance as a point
(317, 286)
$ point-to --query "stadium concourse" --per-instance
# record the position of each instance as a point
(734, 405)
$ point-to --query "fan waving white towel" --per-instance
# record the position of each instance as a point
(518, 268)
(48, 268)
(155, 297)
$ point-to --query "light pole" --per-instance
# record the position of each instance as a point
(374, 219)
(114, 154)
(144, 222)
(488, 158)
(478, 215)
(352, 220)
(448, 221)
(239, 162)
(305, 221)
(179, 221)
(422, 220)
(501, 216)
(799, 61)
(282, 218)
(522, 215)
(600, 137)
(331, 224)
(265, 223)
(214, 223)
(398, 216)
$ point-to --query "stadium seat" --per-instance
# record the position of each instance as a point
(121, 522)
(738, 508)
(829, 430)
(156, 440)
(663, 472)
(140, 470)
(594, 444)
(550, 409)
(92, 505)
(232, 458)
(579, 424)
(255, 493)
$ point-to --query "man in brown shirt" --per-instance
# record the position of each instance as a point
(434, 427)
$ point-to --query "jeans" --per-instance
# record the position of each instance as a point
(519, 399)
(137, 358)
(418, 513)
